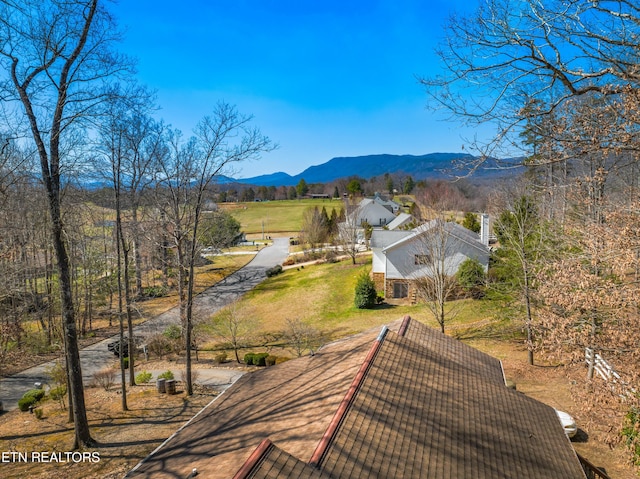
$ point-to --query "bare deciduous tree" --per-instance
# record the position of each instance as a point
(58, 57)
(511, 55)
(302, 337)
(523, 244)
(221, 140)
(315, 228)
(351, 233)
(434, 271)
(235, 326)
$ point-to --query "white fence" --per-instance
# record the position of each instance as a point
(606, 372)
(602, 367)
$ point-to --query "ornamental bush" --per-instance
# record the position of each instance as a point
(24, 403)
(30, 398)
(143, 377)
(365, 297)
(276, 270)
(248, 358)
(260, 359)
(166, 375)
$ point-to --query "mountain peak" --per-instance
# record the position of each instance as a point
(431, 165)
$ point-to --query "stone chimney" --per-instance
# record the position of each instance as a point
(484, 229)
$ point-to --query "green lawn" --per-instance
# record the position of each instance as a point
(323, 295)
(275, 217)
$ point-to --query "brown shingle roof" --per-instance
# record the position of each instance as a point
(422, 405)
(418, 414)
(291, 403)
(271, 462)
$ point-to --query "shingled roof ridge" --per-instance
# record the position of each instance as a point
(404, 326)
(254, 459)
(346, 402)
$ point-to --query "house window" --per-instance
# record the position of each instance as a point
(400, 290)
(422, 259)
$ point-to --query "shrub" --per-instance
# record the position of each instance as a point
(259, 359)
(631, 434)
(159, 345)
(274, 271)
(248, 358)
(166, 375)
(126, 362)
(173, 332)
(58, 393)
(154, 292)
(105, 378)
(282, 359)
(24, 403)
(220, 358)
(195, 375)
(30, 398)
(365, 297)
(38, 394)
(143, 377)
(270, 360)
(331, 257)
(38, 413)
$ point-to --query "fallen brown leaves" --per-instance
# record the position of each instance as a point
(123, 438)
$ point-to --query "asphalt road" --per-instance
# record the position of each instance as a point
(95, 357)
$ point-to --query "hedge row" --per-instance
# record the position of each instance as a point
(263, 359)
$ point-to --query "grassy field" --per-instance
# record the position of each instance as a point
(275, 218)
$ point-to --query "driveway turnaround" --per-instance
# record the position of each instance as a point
(96, 357)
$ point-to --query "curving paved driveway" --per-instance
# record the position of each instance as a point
(95, 357)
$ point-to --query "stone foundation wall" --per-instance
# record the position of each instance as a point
(378, 280)
(411, 290)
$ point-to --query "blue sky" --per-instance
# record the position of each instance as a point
(322, 79)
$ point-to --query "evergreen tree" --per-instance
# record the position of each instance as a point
(365, 297)
(520, 235)
(471, 222)
(408, 186)
(302, 188)
(354, 187)
(389, 183)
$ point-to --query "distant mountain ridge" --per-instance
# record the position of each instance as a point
(420, 167)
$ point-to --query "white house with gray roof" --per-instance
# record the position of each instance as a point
(401, 257)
